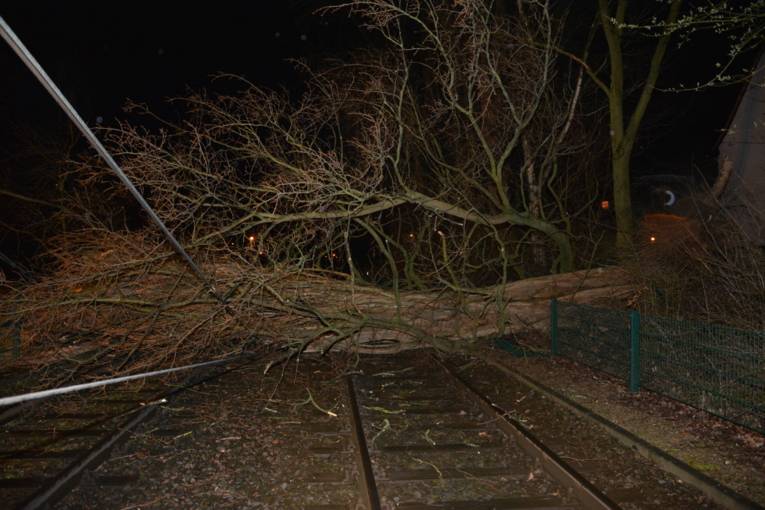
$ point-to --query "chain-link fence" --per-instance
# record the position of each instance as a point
(711, 367)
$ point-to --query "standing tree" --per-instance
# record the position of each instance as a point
(741, 25)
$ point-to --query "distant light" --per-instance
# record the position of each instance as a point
(605, 205)
(652, 239)
(411, 236)
(252, 239)
(99, 120)
(303, 37)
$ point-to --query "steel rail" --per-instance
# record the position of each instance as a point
(588, 495)
(368, 485)
(66, 480)
(713, 489)
(58, 486)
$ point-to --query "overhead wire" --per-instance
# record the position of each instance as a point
(37, 70)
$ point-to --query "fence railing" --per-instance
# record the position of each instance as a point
(715, 368)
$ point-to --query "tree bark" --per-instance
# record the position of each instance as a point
(449, 319)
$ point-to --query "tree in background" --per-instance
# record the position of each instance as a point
(739, 25)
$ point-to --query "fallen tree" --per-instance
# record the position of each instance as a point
(136, 307)
(406, 197)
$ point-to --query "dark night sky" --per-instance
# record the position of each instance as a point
(105, 53)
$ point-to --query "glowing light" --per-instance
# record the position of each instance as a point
(652, 239)
(605, 205)
(411, 236)
(251, 239)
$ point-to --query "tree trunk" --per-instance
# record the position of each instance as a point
(622, 203)
(449, 319)
(623, 136)
(146, 317)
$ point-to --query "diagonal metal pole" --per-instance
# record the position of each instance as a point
(34, 66)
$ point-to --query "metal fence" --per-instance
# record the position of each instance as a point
(712, 367)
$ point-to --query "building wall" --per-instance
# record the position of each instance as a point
(744, 146)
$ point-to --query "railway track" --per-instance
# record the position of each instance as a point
(406, 432)
(46, 445)
(426, 446)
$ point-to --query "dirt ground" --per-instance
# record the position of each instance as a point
(726, 452)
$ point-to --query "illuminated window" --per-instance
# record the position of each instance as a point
(605, 205)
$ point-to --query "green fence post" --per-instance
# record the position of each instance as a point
(634, 351)
(554, 326)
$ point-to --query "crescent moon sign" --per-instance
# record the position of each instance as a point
(671, 199)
